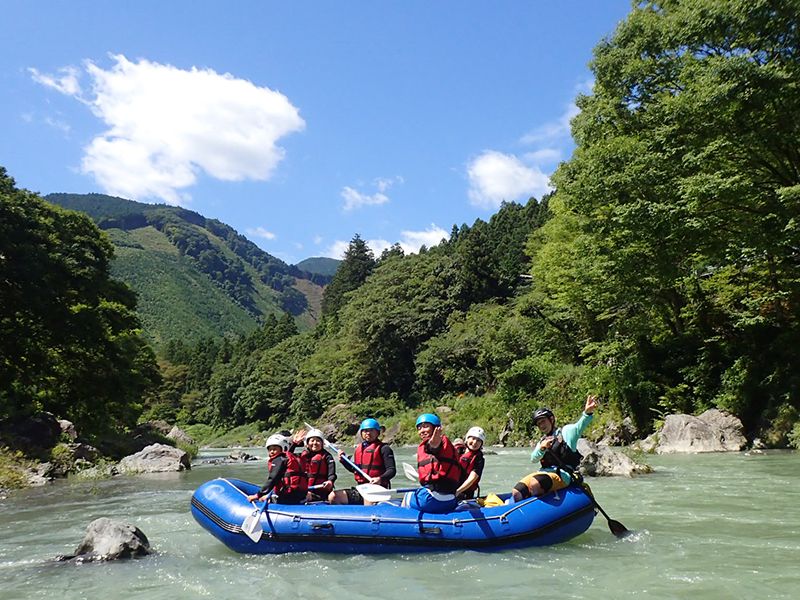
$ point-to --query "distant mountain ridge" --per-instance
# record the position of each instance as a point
(196, 276)
(321, 265)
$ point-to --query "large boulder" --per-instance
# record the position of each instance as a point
(620, 434)
(156, 458)
(107, 539)
(712, 431)
(68, 429)
(600, 461)
(390, 435)
(508, 429)
(177, 434)
(339, 423)
(34, 435)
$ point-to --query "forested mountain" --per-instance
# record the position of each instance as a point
(392, 334)
(321, 265)
(196, 277)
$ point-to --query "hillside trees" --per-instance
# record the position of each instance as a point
(212, 380)
(69, 335)
(674, 251)
(358, 263)
(379, 349)
(403, 329)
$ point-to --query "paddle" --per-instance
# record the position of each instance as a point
(617, 528)
(252, 524)
(376, 493)
(410, 472)
(344, 457)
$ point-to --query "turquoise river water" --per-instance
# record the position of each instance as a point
(705, 526)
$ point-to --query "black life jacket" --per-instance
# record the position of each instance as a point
(560, 455)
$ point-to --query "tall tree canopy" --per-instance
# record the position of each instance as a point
(69, 337)
(358, 263)
(674, 251)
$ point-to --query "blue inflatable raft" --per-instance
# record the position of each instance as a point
(221, 506)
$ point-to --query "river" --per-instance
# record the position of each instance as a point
(705, 526)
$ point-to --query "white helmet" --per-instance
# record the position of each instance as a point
(276, 439)
(315, 433)
(477, 432)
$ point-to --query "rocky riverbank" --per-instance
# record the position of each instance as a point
(44, 448)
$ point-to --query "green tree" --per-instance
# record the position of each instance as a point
(358, 263)
(672, 253)
(69, 334)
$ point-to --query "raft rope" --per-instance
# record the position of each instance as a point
(503, 517)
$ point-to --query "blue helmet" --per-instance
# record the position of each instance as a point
(429, 418)
(370, 424)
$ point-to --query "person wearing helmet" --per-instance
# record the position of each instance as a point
(471, 463)
(438, 467)
(318, 464)
(285, 474)
(460, 446)
(373, 457)
(557, 452)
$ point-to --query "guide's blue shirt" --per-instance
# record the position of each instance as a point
(571, 434)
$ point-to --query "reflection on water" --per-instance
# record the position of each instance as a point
(703, 525)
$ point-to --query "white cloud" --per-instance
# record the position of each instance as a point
(495, 177)
(66, 84)
(558, 130)
(543, 156)
(384, 183)
(555, 130)
(167, 125)
(355, 199)
(337, 249)
(261, 233)
(317, 239)
(58, 124)
(410, 242)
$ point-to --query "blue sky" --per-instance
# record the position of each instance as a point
(299, 123)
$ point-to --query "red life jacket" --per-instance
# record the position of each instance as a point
(315, 464)
(294, 478)
(467, 461)
(370, 460)
(441, 473)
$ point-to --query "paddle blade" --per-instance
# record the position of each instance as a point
(410, 472)
(618, 529)
(373, 493)
(252, 525)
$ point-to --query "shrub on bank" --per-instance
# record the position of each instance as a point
(12, 469)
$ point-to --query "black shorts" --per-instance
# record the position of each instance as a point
(293, 498)
(316, 497)
(353, 497)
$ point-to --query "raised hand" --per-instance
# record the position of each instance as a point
(591, 403)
